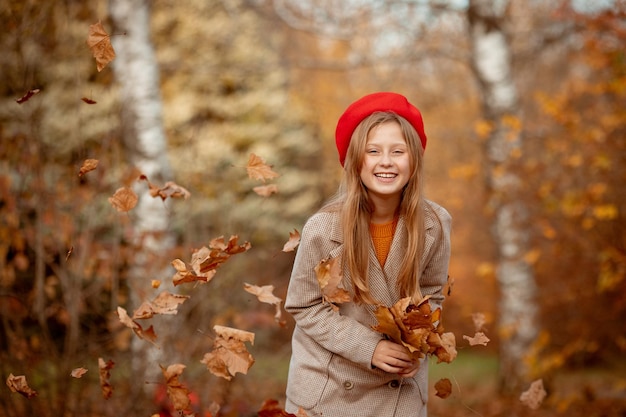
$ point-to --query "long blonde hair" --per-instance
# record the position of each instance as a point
(352, 200)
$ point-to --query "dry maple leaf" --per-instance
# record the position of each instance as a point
(534, 396)
(478, 339)
(265, 294)
(124, 199)
(229, 354)
(27, 96)
(164, 303)
(293, 242)
(258, 169)
(147, 334)
(99, 42)
(78, 372)
(443, 387)
(88, 165)
(329, 276)
(170, 189)
(205, 261)
(176, 392)
(266, 190)
(105, 375)
(18, 384)
(414, 326)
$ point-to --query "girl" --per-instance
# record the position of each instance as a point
(392, 243)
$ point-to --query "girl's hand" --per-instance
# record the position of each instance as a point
(395, 359)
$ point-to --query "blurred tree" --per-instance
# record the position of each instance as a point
(491, 61)
(137, 73)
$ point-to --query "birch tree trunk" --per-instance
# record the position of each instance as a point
(491, 62)
(136, 71)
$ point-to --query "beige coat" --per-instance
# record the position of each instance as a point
(331, 372)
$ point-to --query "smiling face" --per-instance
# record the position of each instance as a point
(386, 166)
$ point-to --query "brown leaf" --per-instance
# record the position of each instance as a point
(88, 100)
(478, 339)
(78, 372)
(479, 320)
(229, 354)
(170, 189)
(27, 96)
(147, 334)
(99, 42)
(329, 276)
(534, 396)
(18, 384)
(164, 303)
(443, 387)
(293, 242)
(105, 374)
(266, 190)
(258, 169)
(88, 165)
(124, 199)
(265, 294)
(177, 393)
(205, 261)
(413, 326)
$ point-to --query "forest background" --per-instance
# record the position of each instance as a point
(198, 86)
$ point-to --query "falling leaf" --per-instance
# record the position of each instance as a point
(124, 199)
(450, 285)
(229, 354)
(258, 169)
(479, 320)
(88, 100)
(164, 303)
(147, 334)
(265, 294)
(177, 393)
(99, 42)
(533, 397)
(105, 376)
(155, 283)
(69, 253)
(205, 261)
(18, 384)
(329, 276)
(266, 190)
(170, 189)
(478, 339)
(27, 96)
(78, 372)
(88, 165)
(293, 242)
(443, 387)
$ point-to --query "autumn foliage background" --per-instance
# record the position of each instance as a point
(236, 80)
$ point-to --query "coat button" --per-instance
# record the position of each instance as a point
(348, 385)
(394, 384)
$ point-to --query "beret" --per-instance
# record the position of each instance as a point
(363, 107)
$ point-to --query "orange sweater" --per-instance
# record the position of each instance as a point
(382, 236)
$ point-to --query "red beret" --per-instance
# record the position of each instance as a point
(369, 104)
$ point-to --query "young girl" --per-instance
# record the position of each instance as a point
(392, 243)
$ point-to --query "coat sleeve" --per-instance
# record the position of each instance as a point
(435, 272)
(340, 334)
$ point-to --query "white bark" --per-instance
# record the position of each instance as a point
(137, 73)
(491, 59)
